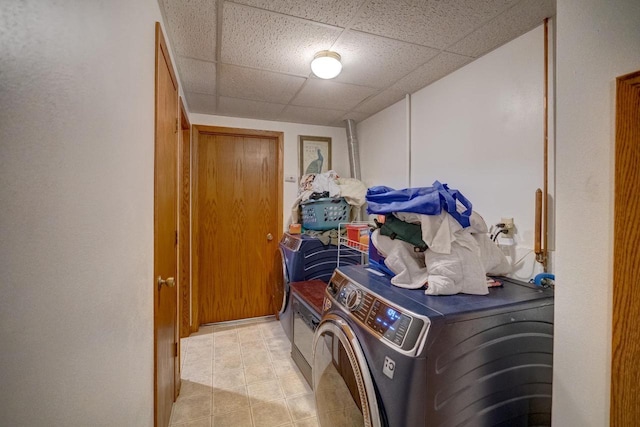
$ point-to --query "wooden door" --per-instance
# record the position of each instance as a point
(165, 234)
(184, 225)
(237, 212)
(625, 369)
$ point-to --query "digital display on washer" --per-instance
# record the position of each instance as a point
(389, 322)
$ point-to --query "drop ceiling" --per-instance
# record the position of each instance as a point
(251, 58)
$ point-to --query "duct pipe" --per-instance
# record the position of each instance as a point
(354, 151)
(354, 159)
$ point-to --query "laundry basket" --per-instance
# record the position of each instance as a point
(324, 214)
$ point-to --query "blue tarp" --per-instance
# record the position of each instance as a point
(420, 200)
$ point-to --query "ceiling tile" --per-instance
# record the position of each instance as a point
(331, 95)
(375, 61)
(516, 21)
(197, 76)
(433, 70)
(201, 103)
(333, 12)
(314, 116)
(250, 109)
(260, 39)
(380, 101)
(433, 23)
(192, 27)
(247, 83)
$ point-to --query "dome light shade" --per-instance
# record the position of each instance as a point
(326, 64)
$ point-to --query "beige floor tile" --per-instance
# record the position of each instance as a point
(202, 422)
(280, 354)
(259, 373)
(294, 384)
(264, 392)
(192, 388)
(309, 422)
(199, 370)
(191, 408)
(277, 343)
(249, 347)
(271, 414)
(301, 407)
(199, 352)
(234, 419)
(227, 363)
(272, 329)
(200, 340)
(284, 366)
(256, 358)
(204, 378)
(223, 328)
(225, 351)
(233, 400)
(228, 379)
(249, 334)
(225, 339)
(198, 360)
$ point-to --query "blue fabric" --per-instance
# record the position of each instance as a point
(421, 200)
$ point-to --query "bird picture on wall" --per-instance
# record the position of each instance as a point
(315, 154)
(316, 165)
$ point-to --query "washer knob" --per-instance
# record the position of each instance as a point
(354, 299)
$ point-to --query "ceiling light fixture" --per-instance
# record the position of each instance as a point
(326, 64)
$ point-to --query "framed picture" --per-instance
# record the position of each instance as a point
(315, 154)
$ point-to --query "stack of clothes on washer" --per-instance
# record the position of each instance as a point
(431, 237)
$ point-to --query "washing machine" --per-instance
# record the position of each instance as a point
(387, 356)
(307, 258)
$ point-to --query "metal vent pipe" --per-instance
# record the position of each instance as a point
(354, 151)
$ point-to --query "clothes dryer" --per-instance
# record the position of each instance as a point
(387, 356)
(307, 258)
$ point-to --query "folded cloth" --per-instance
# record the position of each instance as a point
(326, 182)
(326, 237)
(408, 265)
(353, 191)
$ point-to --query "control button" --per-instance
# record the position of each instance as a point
(354, 299)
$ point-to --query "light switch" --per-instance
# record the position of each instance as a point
(290, 178)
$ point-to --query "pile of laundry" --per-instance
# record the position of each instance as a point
(449, 249)
(329, 184)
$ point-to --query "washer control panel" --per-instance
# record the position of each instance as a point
(398, 327)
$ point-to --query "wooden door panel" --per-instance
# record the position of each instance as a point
(237, 206)
(165, 226)
(625, 370)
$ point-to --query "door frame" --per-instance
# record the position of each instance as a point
(184, 236)
(216, 130)
(625, 349)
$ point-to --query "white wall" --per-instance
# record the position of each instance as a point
(479, 129)
(384, 147)
(339, 151)
(597, 42)
(76, 218)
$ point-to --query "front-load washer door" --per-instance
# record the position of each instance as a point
(344, 391)
(285, 283)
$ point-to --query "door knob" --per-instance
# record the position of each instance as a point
(170, 282)
(269, 236)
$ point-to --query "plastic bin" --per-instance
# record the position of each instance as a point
(324, 214)
(358, 236)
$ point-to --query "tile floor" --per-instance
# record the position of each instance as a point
(241, 374)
